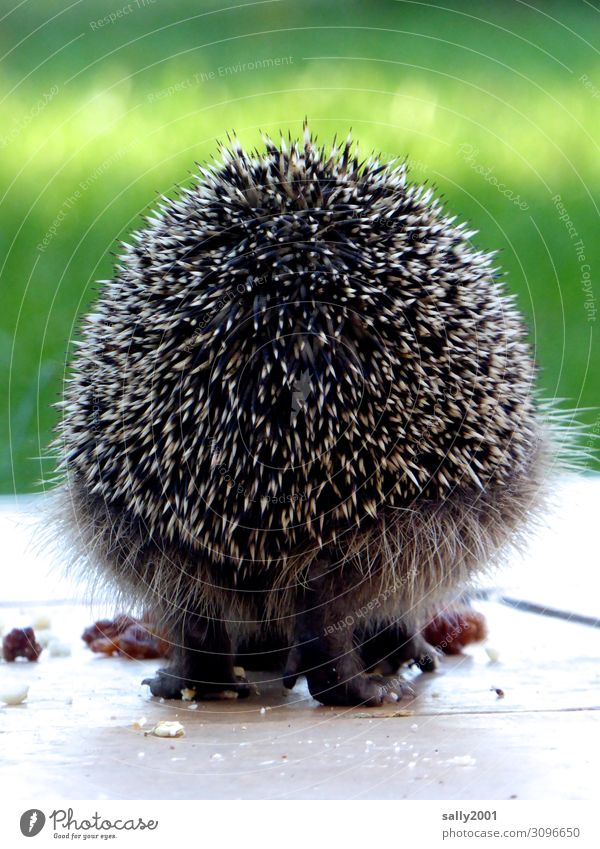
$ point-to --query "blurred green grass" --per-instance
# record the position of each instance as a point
(96, 119)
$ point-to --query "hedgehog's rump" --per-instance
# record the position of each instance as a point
(409, 560)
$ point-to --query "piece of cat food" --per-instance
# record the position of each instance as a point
(453, 629)
(20, 642)
(125, 636)
(107, 628)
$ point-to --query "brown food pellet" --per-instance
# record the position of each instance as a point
(452, 630)
(138, 642)
(107, 628)
(126, 636)
(20, 642)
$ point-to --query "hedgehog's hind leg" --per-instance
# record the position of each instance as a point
(325, 651)
(201, 660)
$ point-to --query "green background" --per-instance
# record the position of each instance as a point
(97, 117)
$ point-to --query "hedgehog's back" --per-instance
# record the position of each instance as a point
(298, 346)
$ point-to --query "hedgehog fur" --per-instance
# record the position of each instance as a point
(303, 378)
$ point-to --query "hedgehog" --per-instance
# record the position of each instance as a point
(303, 410)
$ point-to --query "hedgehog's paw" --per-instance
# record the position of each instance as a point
(343, 682)
(359, 689)
(168, 683)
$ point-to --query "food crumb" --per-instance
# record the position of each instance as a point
(164, 728)
(21, 642)
(498, 692)
(463, 760)
(14, 696)
(493, 654)
(227, 695)
(56, 648)
(44, 637)
(42, 622)
(187, 694)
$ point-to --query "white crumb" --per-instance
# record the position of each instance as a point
(44, 637)
(493, 654)
(56, 648)
(164, 728)
(41, 622)
(463, 760)
(15, 695)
